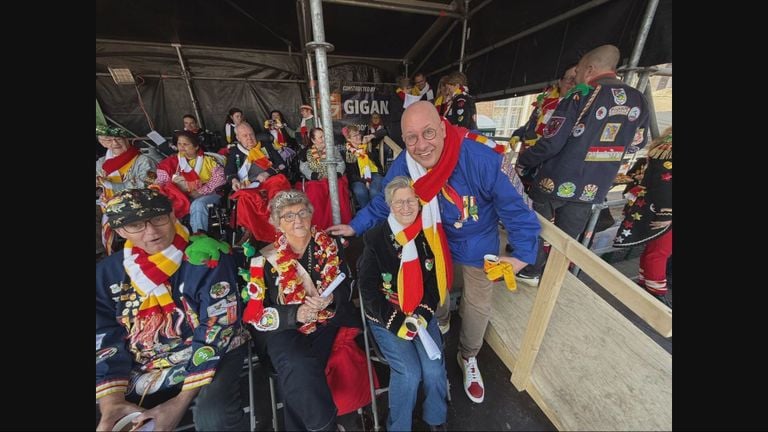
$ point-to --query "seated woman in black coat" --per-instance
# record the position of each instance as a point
(399, 289)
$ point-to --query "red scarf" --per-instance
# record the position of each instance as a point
(437, 177)
(410, 284)
(117, 162)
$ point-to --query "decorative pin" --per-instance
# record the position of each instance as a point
(387, 277)
(458, 224)
(429, 263)
(473, 208)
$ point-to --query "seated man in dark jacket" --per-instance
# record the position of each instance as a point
(166, 328)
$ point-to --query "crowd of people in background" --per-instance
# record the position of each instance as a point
(421, 186)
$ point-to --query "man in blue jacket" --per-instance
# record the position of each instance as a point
(166, 329)
(465, 188)
(582, 147)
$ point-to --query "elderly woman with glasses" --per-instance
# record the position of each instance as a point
(122, 168)
(294, 313)
(399, 289)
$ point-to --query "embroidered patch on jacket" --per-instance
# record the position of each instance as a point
(104, 354)
(618, 110)
(211, 333)
(219, 308)
(220, 289)
(639, 136)
(604, 154)
(578, 129)
(566, 190)
(634, 113)
(547, 185)
(601, 112)
(588, 194)
(619, 96)
(609, 132)
(553, 126)
(270, 320)
(202, 355)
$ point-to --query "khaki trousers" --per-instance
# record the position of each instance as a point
(474, 309)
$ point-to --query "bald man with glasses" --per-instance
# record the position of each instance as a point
(466, 188)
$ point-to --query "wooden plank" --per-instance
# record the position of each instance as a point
(655, 313)
(594, 370)
(546, 296)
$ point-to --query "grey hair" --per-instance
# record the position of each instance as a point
(286, 199)
(399, 182)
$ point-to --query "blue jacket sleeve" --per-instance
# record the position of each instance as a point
(377, 210)
(519, 219)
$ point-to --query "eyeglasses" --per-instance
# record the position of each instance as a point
(412, 139)
(411, 202)
(157, 221)
(290, 216)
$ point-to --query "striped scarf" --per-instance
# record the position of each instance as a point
(427, 184)
(364, 163)
(115, 168)
(149, 276)
(191, 175)
(255, 155)
(410, 293)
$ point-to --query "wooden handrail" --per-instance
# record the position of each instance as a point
(652, 311)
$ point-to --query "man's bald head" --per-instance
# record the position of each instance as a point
(421, 120)
(600, 60)
(245, 135)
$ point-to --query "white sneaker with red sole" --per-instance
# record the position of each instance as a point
(473, 381)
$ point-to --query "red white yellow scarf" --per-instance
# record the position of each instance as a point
(410, 285)
(191, 175)
(149, 276)
(364, 163)
(427, 184)
(255, 155)
(115, 168)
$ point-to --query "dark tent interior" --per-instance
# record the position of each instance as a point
(251, 54)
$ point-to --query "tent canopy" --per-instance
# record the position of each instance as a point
(374, 40)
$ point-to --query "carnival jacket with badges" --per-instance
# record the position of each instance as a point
(488, 178)
(381, 260)
(461, 111)
(207, 319)
(585, 140)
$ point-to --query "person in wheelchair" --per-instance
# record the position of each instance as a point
(399, 290)
(254, 169)
(291, 318)
(168, 329)
(190, 178)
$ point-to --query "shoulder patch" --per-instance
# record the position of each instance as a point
(553, 126)
(619, 96)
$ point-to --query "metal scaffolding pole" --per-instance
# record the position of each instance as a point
(185, 74)
(302, 11)
(320, 46)
(464, 35)
(645, 28)
(573, 12)
(413, 6)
